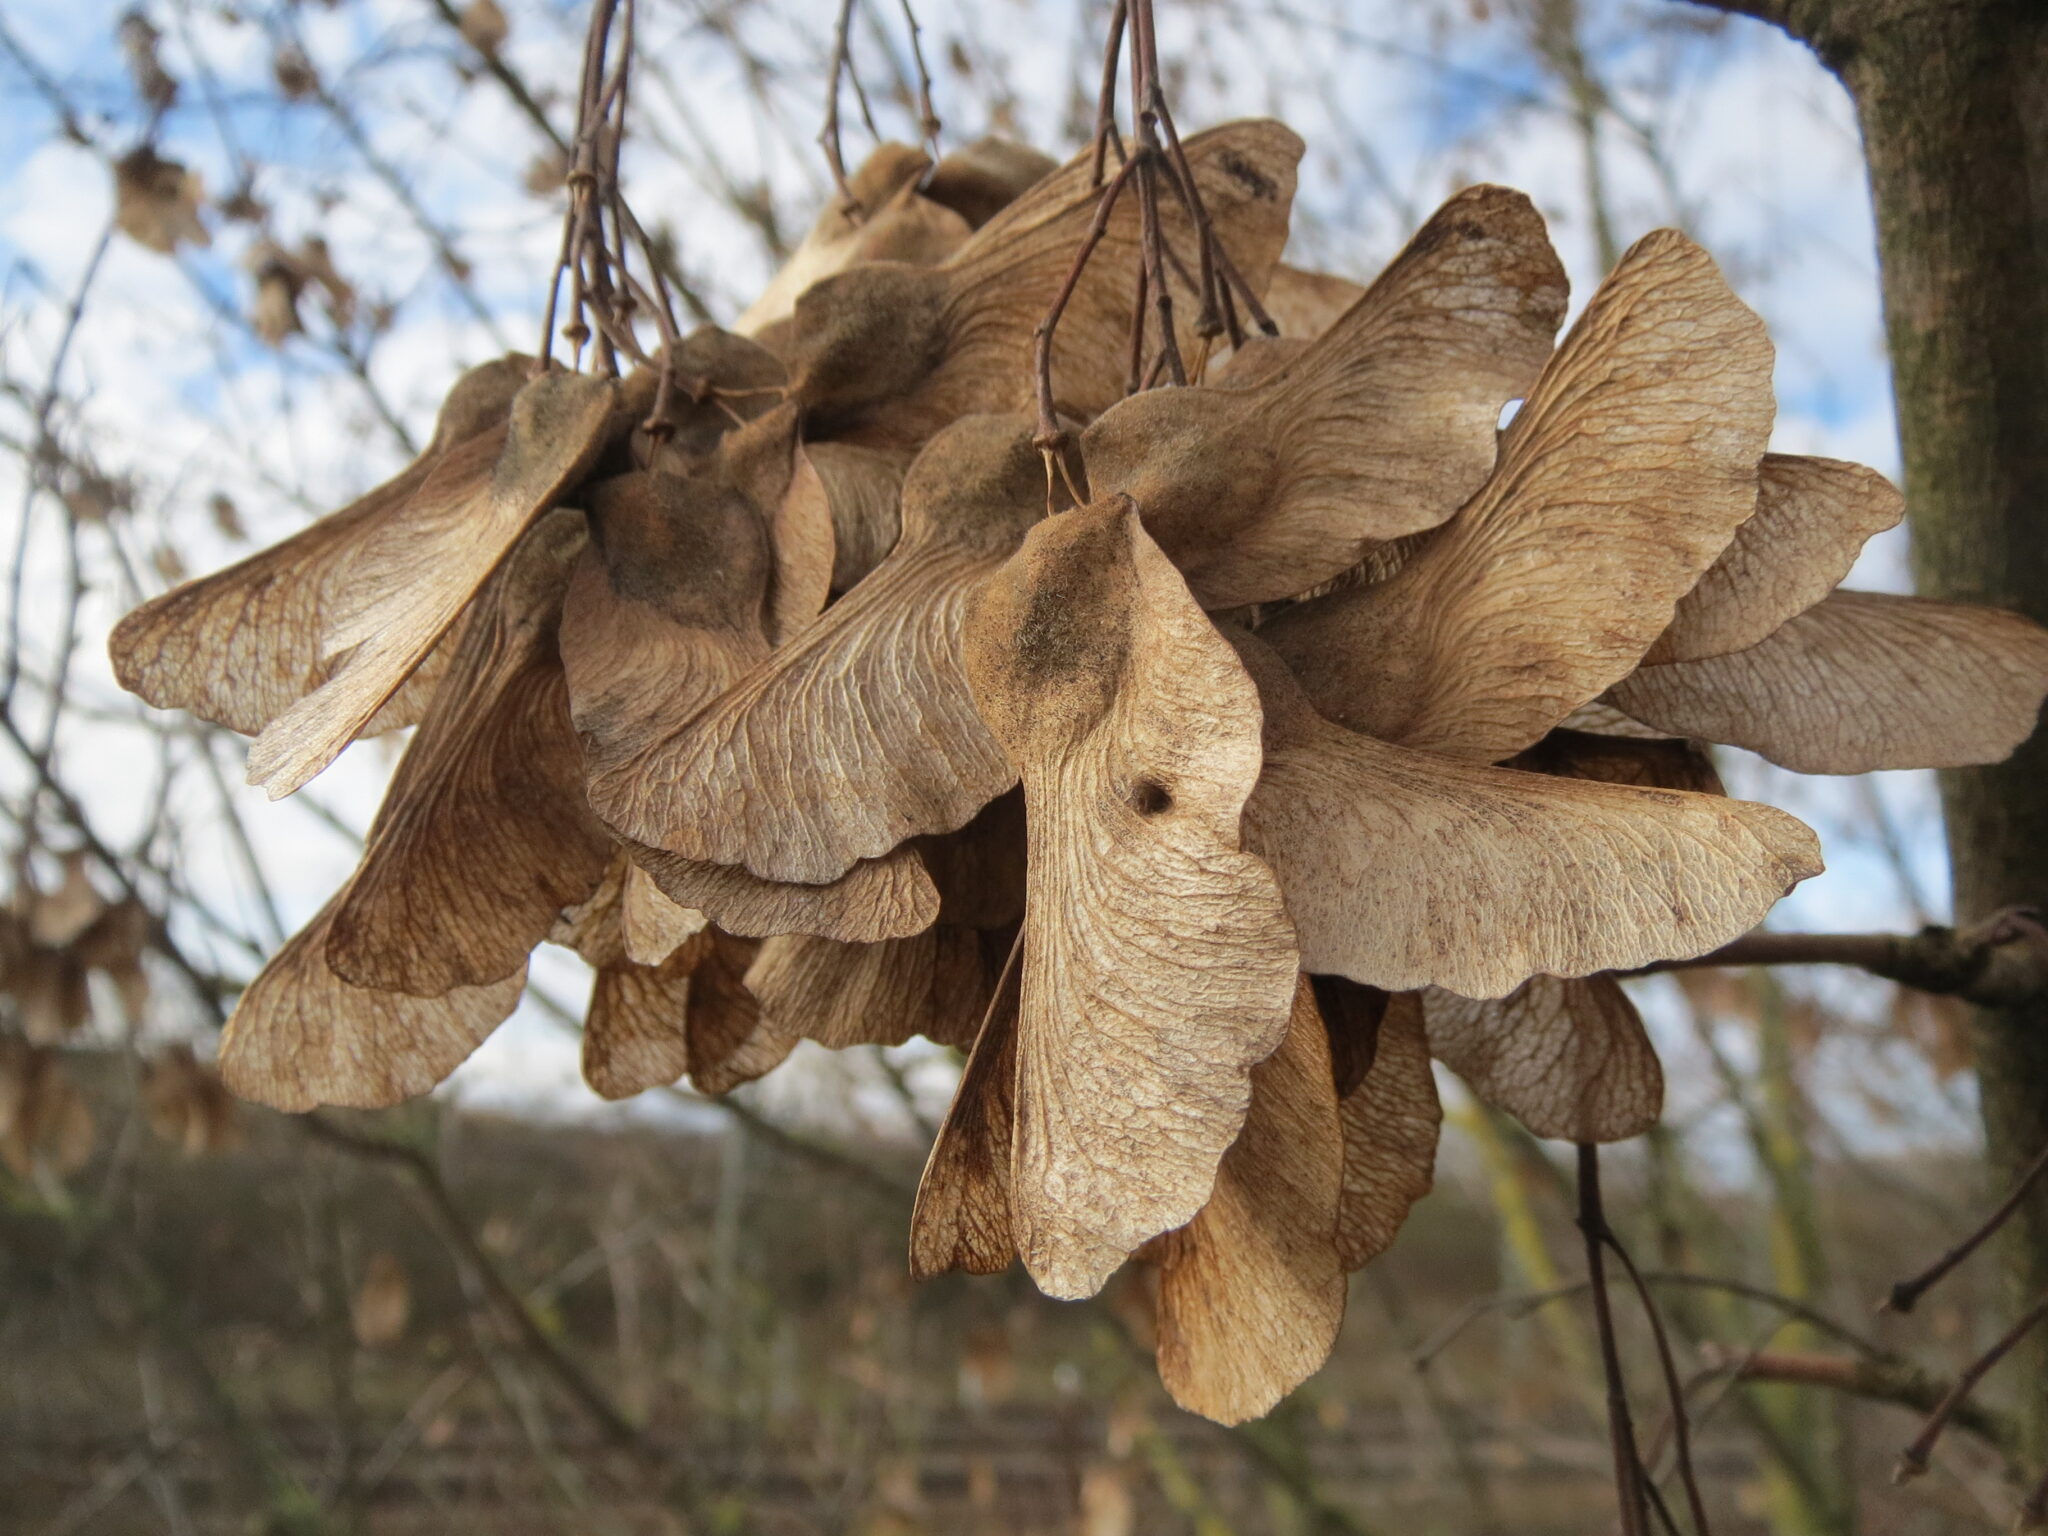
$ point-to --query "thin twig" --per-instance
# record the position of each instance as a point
(1914, 1458)
(513, 1312)
(927, 116)
(1628, 1476)
(828, 135)
(1521, 1303)
(1681, 1426)
(1998, 962)
(1893, 1381)
(1905, 1294)
(1050, 437)
(516, 88)
(2034, 1511)
(1105, 101)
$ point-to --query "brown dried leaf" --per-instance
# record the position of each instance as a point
(1600, 718)
(801, 539)
(294, 73)
(636, 1029)
(864, 488)
(936, 984)
(49, 989)
(1258, 359)
(274, 311)
(667, 607)
(241, 646)
(1158, 963)
(1569, 1059)
(1620, 481)
(1403, 870)
(1861, 681)
(1391, 1120)
(653, 926)
(900, 351)
(56, 918)
(979, 180)
(113, 945)
(1812, 518)
(411, 575)
(484, 27)
(1251, 1292)
(188, 1106)
(1305, 304)
(484, 835)
(962, 1217)
(730, 1043)
(722, 380)
(302, 1037)
(860, 732)
(595, 926)
(382, 1304)
(680, 589)
(140, 41)
(45, 1122)
(887, 898)
(892, 222)
(1382, 427)
(156, 202)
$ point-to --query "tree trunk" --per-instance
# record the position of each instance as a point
(1953, 100)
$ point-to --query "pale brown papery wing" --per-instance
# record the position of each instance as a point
(414, 574)
(1568, 1058)
(1812, 518)
(301, 1036)
(1402, 869)
(1621, 480)
(1159, 965)
(1858, 682)
(1251, 1292)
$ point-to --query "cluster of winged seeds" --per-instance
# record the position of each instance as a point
(1303, 726)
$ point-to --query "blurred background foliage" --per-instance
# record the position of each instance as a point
(244, 246)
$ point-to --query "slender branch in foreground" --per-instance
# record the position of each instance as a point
(1628, 1466)
(1521, 1303)
(1897, 1382)
(1906, 1294)
(1913, 1459)
(512, 1311)
(2034, 1511)
(1681, 1424)
(855, 1168)
(1999, 962)
(516, 88)
(828, 135)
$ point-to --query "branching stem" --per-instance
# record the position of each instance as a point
(1914, 1458)
(1906, 1294)
(1628, 1467)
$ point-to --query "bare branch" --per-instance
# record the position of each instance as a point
(1914, 1458)
(1628, 1462)
(1885, 1380)
(1999, 962)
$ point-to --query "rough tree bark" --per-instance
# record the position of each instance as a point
(1953, 100)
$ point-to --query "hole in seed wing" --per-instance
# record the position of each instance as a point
(1149, 797)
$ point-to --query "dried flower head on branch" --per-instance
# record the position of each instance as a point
(1202, 759)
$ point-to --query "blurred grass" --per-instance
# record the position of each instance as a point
(274, 1339)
